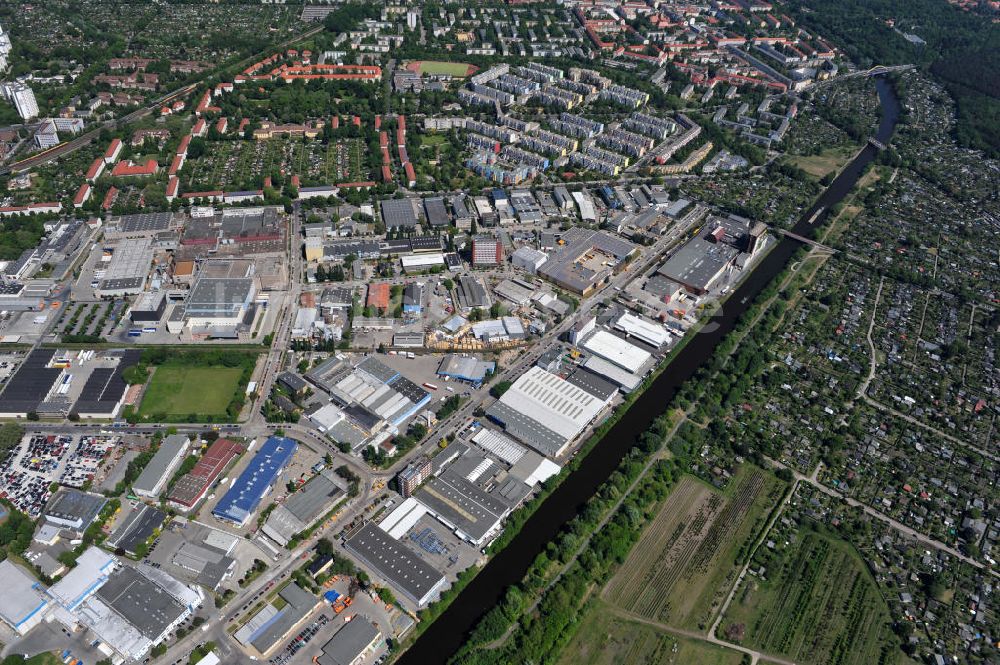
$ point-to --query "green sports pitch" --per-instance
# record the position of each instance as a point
(438, 68)
(177, 391)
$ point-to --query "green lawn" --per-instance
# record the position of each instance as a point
(179, 391)
(435, 68)
(605, 638)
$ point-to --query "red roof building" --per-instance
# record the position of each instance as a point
(182, 147)
(191, 488)
(176, 165)
(82, 195)
(172, 185)
(378, 295)
(113, 151)
(95, 170)
(110, 198)
(126, 169)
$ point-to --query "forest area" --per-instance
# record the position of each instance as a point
(961, 49)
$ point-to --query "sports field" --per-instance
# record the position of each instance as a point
(818, 604)
(438, 68)
(688, 558)
(178, 391)
(607, 638)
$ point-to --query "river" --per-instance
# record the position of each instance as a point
(447, 634)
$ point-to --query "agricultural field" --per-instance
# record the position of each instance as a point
(242, 165)
(688, 558)
(177, 391)
(437, 68)
(606, 638)
(814, 603)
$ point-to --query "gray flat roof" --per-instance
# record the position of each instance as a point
(141, 602)
(300, 604)
(526, 429)
(349, 642)
(399, 213)
(137, 528)
(70, 504)
(170, 448)
(394, 562)
(596, 385)
(698, 263)
(219, 291)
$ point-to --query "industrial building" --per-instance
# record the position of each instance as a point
(303, 507)
(381, 391)
(92, 569)
(257, 479)
(471, 496)
(617, 351)
(219, 304)
(395, 563)
(73, 509)
(139, 525)
(466, 368)
(644, 330)
(351, 644)
(148, 307)
(587, 260)
(529, 259)
(545, 411)
(128, 268)
(24, 602)
(192, 487)
(399, 214)
(436, 212)
(699, 264)
(168, 457)
(273, 624)
(131, 609)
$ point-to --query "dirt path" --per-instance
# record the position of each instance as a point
(694, 635)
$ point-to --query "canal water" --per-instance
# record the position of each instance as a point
(446, 635)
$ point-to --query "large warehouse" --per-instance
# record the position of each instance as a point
(616, 350)
(545, 411)
(699, 264)
(304, 507)
(243, 498)
(159, 470)
(587, 260)
(190, 488)
(396, 564)
(128, 268)
(24, 603)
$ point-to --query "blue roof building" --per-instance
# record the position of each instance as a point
(256, 481)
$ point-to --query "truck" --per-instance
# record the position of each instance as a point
(430, 386)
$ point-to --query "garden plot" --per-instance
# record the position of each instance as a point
(689, 556)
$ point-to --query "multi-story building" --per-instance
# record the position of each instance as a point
(22, 97)
(487, 251)
(415, 473)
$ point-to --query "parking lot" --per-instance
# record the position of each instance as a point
(41, 459)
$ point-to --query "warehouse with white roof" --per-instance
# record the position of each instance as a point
(545, 411)
(617, 351)
(644, 330)
(24, 603)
